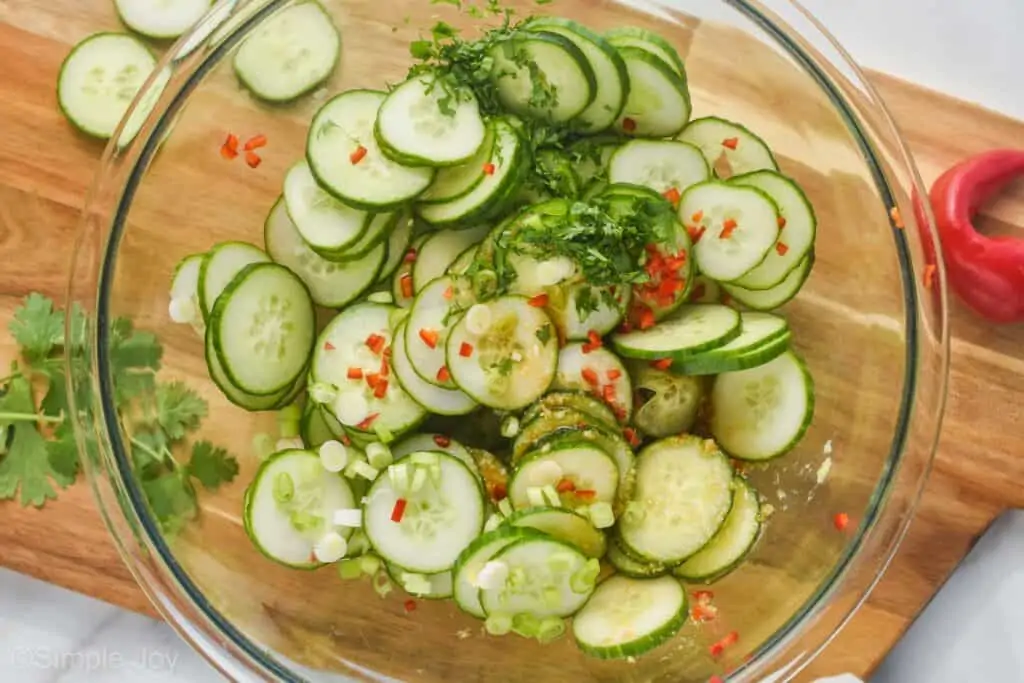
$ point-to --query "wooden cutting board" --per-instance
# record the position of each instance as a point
(45, 170)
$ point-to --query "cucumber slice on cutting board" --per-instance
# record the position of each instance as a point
(327, 225)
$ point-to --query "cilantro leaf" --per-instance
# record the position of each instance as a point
(150, 453)
(212, 465)
(26, 466)
(179, 409)
(172, 500)
(63, 454)
(454, 3)
(36, 327)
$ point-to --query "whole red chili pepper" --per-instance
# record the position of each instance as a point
(986, 272)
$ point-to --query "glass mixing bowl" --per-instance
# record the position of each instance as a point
(873, 334)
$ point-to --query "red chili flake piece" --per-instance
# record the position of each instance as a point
(410, 606)
(672, 195)
(381, 390)
(608, 393)
(255, 142)
(370, 419)
(405, 282)
(703, 612)
(897, 219)
(229, 150)
(385, 369)
(929, 275)
(448, 292)
(376, 343)
(697, 217)
(372, 380)
(253, 159)
(628, 125)
(716, 679)
(410, 256)
(355, 373)
(539, 301)
(718, 648)
(695, 232)
(631, 436)
(442, 441)
(590, 376)
(466, 350)
(782, 222)
(565, 486)
(619, 412)
(781, 248)
(841, 521)
(499, 492)
(731, 143)
(328, 346)
(699, 291)
(429, 337)
(358, 155)
(345, 441)
(626, 327)
(661, 364)
(614, 374)
(443, 375)
(703, 596)
(728, 228)
(646, 318)
(489, 169)
(586, 494)
(593, 342)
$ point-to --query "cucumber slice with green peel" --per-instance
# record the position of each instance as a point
(377, 234)
(457, 181)
(184, 306)
(513, 357)
(658, 105)
(492, 471)
(542, 75)
(553, 177)
(740, 226)
(432, 397)
(397, 247)
(782, 293)
(762, 413)
(440, 250)
(599, 371)
(629, 566)
(662, 165)
(434, 442)
(439, 521)
(733, 541)
(682, 496)
(584, 403)
(327, 225)
(588, 309)
(161, 19)
(416, 126)
(546, 578)
(691, 330)
(463, 262)
(263, 327)
(403, 289)
(241, 398)
(473, 559)
(220, 266)
(564, 525)
(347, 161)
(289, 54)
(493, 195)
(348, 345)
(667, 403)
(611, 80)
(431, 318)
(763, 338)
(592, 471)
(628, 617)
(290, 506)
(631, 36)
(426, 586)
(100, 78)
(330, 284)
(313, 427)
(796, 236)
(730, 149)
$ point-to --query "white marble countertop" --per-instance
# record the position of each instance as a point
(49, 635)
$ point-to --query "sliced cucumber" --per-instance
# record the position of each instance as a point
(667, 404)
(631, 36)
(161, 19)
(462, 262)
(439, 521)
(658, 105)
(682, 496)
(564, 525)
(692, 329)
(584, 403)
(705, 291)
(328, 226)
(492, 471)
(185, 291)
(662, 165)
(241, 398)
(513, 358)
(588, 309)
(415, 128)
(342, 347)
(440, 250)
(592, 156)
(770, 299)
(427, 586)
(403, 289)
(733, 541)
(796, 236)
(99, 79)
(762, 413)
(543, 75)
(264, 326)
(542, 580)
(592, 471)
(431, 318)
(456, 181)
(331, 284)
(628, 617)
(397, 247)
(434, 442)
(763, 338)
(740, 225)
(220, 266)
(629, 566)
(432, 397)
(290, 53)
(290, 507)
(553, 176)
(611, 79)
(598, 371)
(475, 557)
(313, 427)
(347, 162)
(730, 148)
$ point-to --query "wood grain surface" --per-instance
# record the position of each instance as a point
(46, 168)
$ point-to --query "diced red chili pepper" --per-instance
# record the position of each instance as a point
(252, 159)
(695, 232)
(489, 169)
(355, 373)
(728, 228)
(703, 595)
(841, 521)
(718, 648)
(405, 282)
(398, 511)
(229, 150)
(731, 143)
(443, 375)
(448, 292)
(646, 319)
(614, 374)
(410, 256)
(539, 301)
(381, 390)
(929, 275)
(255, 142)
(328, 346)
(345, 441)
(593, 342)
(466, 350)
(672, 195)
(716, 679)
(781, 248)
(702, 612)
(358, 155)
(628, 125)
(589, 376)
(631, 436)
(376, 343)
(385, 369)
(370, 419)
(608, 393)
(499, 492)
(372, 380)
(697, 217)
(661, 364)
(586, 494)
(429, 337)
(782, 222)
(410, 606)
(442, 441)
(897, 219)
(565, 486)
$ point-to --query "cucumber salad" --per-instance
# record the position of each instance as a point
(553, 339)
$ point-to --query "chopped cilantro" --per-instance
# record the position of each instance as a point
(211, 465)
(179, 409)
(544, 334)
(504, 366)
